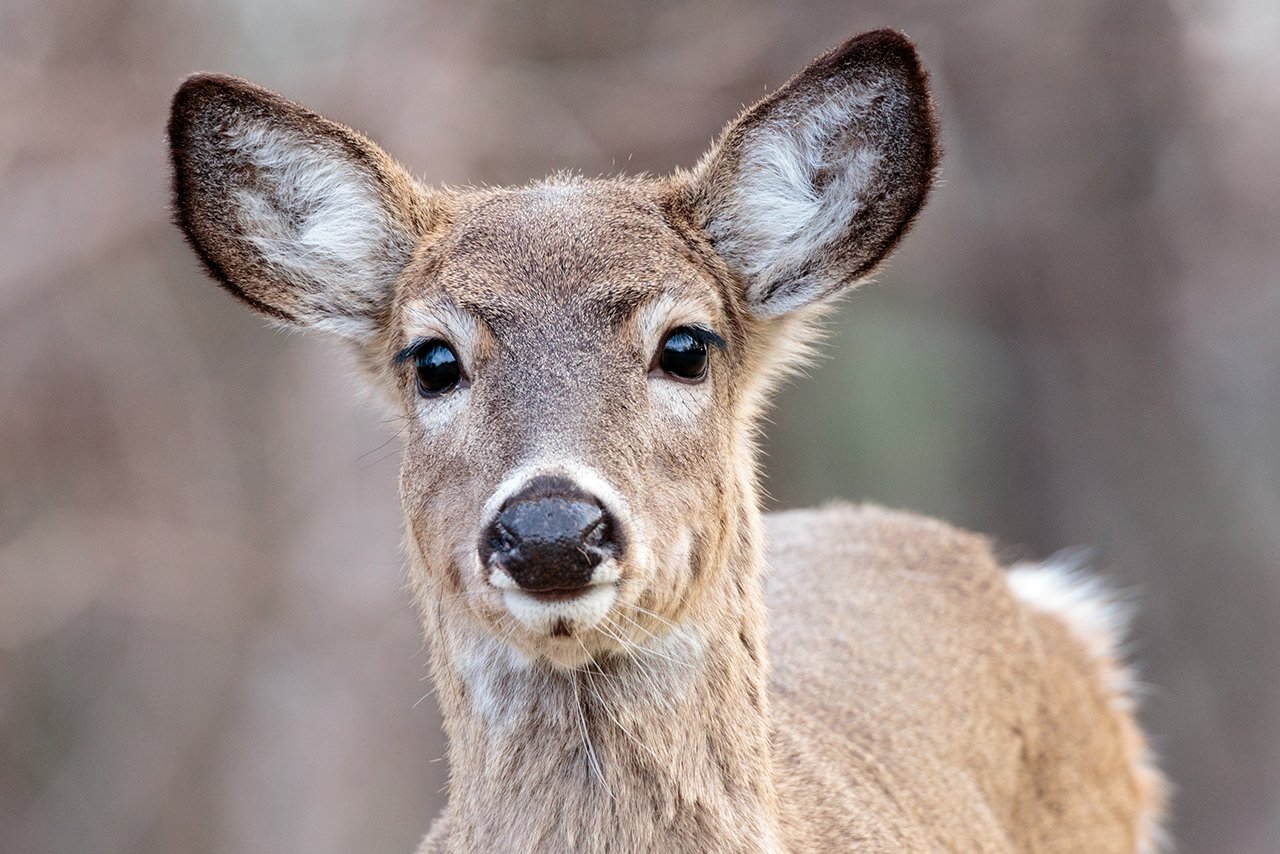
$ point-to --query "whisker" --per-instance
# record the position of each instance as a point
(655, 615)
(592, 760)
(608, 711)
(644, 650)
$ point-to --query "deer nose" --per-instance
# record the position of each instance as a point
(550, 536)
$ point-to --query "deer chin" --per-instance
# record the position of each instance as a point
(561, 615)
(572, 629)
(566, 634)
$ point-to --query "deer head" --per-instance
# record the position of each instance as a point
(580, 363)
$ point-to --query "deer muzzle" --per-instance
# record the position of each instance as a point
(549, 536)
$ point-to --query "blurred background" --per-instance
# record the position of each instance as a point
(205, 645)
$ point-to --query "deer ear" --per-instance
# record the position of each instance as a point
(810, 189)
(300, 217)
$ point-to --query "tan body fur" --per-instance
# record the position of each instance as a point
(953, 715)
(866, 681)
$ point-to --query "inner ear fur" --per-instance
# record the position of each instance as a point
(302, 218)
(812, 187)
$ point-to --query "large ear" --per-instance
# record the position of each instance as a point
(302, 218)
(812, 187)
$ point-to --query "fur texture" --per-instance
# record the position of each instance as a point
(902, 697)
(1097, 620)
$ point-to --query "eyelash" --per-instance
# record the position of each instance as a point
(705, 336)
(410, 352)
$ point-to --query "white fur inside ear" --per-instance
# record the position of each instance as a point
(317, 218)
(801, 179)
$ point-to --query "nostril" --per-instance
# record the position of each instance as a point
(597, 535)
(500, 539)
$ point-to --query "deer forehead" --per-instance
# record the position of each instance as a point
(560, 261)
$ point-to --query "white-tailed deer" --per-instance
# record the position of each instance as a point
(582, 365)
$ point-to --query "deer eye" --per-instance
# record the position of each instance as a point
(683, 354)
(437, 368)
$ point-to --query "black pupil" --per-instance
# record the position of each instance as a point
(438, 369)
(684, 355)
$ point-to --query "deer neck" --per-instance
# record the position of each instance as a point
(665, 749)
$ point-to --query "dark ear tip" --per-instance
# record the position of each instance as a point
(204, 86)
(196, 94)
(887, 39)
(891, 50)
(200, 93)
(209, 83)
(884, 47)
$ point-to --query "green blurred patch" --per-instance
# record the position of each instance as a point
(904, 408)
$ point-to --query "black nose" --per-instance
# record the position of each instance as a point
(550, 536)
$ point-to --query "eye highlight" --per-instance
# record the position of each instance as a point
(684, 353)
(437, 368)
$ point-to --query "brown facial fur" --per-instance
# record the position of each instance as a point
(913, 702)
(557, 273)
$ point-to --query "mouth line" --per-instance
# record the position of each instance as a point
(556, 594)
(552, 595)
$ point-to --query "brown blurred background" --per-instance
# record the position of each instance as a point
(204, 641)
